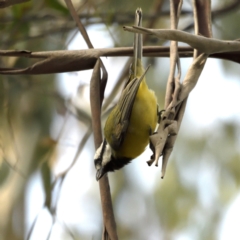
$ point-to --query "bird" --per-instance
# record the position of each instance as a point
(132, 120)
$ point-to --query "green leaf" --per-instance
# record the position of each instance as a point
(56, 5)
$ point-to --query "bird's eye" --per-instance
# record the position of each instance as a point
(98, 163)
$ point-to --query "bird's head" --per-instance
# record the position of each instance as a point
(105, 161)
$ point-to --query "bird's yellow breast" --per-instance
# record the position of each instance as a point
(143, 121)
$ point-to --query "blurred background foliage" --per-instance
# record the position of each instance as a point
(46, 126)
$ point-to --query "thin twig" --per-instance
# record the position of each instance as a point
(109, 231)
(173, 86)
(201, 43)
(90, 45)
(174, 15)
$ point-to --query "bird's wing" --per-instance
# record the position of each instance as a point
(124, 110)
(127, 98)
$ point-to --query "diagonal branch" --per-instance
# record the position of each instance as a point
(107, 208)
(88, 41)
(201, 43)
(97, 87)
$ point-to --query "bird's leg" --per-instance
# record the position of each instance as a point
(159, 138)
(159, 114)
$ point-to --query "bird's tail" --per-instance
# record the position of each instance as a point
(137, 41)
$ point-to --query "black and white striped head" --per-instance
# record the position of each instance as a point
(105, 161)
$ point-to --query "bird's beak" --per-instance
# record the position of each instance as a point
(100, 173)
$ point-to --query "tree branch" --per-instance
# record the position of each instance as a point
(110, 229)
(78, 60)
(201, 43)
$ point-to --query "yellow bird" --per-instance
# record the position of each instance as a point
(132, 120)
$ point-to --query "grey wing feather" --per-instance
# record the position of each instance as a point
(125, 106)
